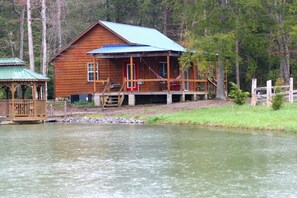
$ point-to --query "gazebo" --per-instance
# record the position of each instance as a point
(22, 92)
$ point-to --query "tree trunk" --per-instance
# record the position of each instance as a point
(220, 95)
(220, 92)
(10, 37)
(237, 63)
(165, 20)
(59, 28)
(21, 15)
(30, 37)
(283, 44)
(22, 22)
(44, 44)
(287, 60)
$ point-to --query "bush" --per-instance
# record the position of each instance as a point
(238, 96)
(84, 104)
(279, 98)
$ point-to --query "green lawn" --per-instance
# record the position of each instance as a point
(246, 117)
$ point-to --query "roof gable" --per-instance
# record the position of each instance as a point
(135, 35)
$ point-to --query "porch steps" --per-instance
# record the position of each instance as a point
(112, 101)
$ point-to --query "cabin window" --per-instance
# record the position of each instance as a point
(91, 71)
(163, 69)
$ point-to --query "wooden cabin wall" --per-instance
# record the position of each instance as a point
(71, 65)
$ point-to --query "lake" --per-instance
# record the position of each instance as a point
(73, 160)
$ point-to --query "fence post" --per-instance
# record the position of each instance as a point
(269, 93)
(253, 92)
(291, 99)
(65, 108)
(51, 109)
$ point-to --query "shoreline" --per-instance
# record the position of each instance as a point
(205, 114)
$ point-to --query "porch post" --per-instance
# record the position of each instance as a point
(12, 99)
(108, 73)
(195, 77)
(168, 73)
(131, 74)
(95, 68)
(182, 79)
(34, 99)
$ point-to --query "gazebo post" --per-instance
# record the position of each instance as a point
(34, 98)
(12, 99)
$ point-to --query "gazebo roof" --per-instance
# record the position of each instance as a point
(17, 73)
(11, 62)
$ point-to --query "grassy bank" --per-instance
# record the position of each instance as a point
(246, 117)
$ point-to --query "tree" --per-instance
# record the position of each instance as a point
(21, 14)
(211, 36)
(282, 37)
(44, 43)
(30, 36)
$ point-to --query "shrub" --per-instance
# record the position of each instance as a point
(238, 96)
(279, 98)
(83, 104)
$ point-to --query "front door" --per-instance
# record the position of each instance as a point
(128, 77)
(186, 77)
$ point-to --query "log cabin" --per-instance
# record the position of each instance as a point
(22, 92)
(126, 64)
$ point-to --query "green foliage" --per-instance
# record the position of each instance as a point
(2, 93)
(238, 96)
(279, 98)
(273, 74)
(84, 104)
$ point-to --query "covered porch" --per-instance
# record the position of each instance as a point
(145, 72)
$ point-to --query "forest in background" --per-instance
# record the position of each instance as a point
(256, 38)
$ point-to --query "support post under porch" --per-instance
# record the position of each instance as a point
(131, 99)
(183, 97)
(169, 98)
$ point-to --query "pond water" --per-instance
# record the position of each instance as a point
(64, 160)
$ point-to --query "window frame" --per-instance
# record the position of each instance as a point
(163, 69)
(92, 72)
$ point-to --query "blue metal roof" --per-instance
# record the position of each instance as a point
(125, 48)
(143, 36)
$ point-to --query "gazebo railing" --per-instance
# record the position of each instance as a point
(4, 108)
(23, 108)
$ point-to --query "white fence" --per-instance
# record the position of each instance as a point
(265, 94)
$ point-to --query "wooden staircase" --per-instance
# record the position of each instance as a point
(111, 101)
(114, 99)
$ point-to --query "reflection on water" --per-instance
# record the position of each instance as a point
(59, 160)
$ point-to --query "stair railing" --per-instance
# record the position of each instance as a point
(103, 92)
(121, 93)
